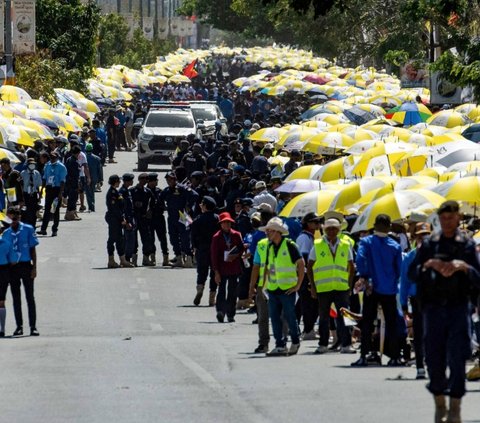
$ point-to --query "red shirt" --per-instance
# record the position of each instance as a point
(222, 242)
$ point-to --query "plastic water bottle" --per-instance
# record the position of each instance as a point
(54, 206)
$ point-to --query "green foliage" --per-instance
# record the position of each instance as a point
(396, 57)
(39, 74)
(68, 29)
(112, 38)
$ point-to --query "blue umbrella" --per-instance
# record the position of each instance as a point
(472, 133)
(47, 122)
(358, 116)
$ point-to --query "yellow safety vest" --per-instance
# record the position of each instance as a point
(262, 246)
(282, 273)
(329, 273)
(349, 239)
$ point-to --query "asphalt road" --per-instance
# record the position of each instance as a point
(127, 345)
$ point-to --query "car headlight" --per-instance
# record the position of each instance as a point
(146, 137)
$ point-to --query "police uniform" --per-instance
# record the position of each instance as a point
(203, 228)
(115, 217)
(179, 199)
(142, 198)
(157, 224)
(7, 256)
(129, 233)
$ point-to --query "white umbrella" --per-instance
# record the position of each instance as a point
(300, 186)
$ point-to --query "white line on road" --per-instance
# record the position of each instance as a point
(149, 312)
(231, 396)
(144, 296)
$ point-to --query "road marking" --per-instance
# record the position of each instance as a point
(229, 394)
(156, 327)
(149, 312)
(144, 296)
(69, 260)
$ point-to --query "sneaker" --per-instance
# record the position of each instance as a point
(474, 373)
(309, 336)
(54, 233)
(41, 232)
(361, 362)
(335, 346)
(278, 351)
(421, 374)
(322, 349)
(18, 331)
(220, 317)
(347, 350)
(294, 349)
(261, 349)
(2, 334)
(34, 332)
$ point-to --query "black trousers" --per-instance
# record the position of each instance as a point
(325, 300)
(227, 295)
(72, 192)
(244, 282)
(111, 146)
(50, 194)
(143, 228)
(204, 268)
(21, 273)
(158, 226)
(306, 307)
(29, 216)
(389, 307)
(115, 237)
(417, 332)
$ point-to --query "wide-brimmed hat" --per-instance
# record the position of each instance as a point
(275, 224)
(225, 217)
(338, 216)
(332, 223)
(423, 228)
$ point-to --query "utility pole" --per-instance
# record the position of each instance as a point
(10, 79)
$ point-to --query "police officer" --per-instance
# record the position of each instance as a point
(24, 242)
(115, 219)
(130, 228)
(243, 222)
(446, 269)
(195, 160)
(142, 198)
(202, 231)
(157, 223)
(179, 201)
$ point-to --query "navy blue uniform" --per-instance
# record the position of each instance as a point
(158, 225)
(115, 218)
(142, 198)
(179, 199)
(203, 228)
(129, 233)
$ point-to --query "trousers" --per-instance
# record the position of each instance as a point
(72, 192)
(389, 307)
(90, 194)
(417, 333)
(21, 274)
(307, 307)
(130, 237)
(262, 315)
(325, 300)
(179, 237)
(447, 344)
(115, 237)
(278, 302)
(158, 227)
(143, 228)
(227, 295)
(31, 206)
(50, 194)
(204, 268)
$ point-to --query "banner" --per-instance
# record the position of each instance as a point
(148, 27)
(132, 22)
(175, 26)
(162, 28)
(23, 18)
(2, 27)
(190, 28)
(182, 27)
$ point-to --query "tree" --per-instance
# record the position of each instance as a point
(112, 38)
(68, 29)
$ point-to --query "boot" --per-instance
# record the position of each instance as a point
(146, 261)
(454, 411)
(198, 297)
(211, 298)
(188, 263)
(135, 260)
(76, 216)
(112, 264)
(440, 409)
(166, 261)
(69, 215)
(176, 261)
(153, 259)
(124, 262)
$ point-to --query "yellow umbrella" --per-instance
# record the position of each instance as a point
(465, 189)
(448, 119)
(304, 172)
(12, 94)
(40, 129)
(268, 134)
(466, 167)
(330, 140)
(20, 134)
(7, 154)
(398, 205)
(332, 170)
(294, 136)
(317, 201)
(59, 119)
(179, 79)
(350, 193)
(37, 104)
(330, 118)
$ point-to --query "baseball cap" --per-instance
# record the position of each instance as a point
(152, 177)
(89, 147)
(260, 185)
(128, 177)
(311, 217)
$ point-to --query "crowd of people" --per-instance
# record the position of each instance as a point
(220, 210)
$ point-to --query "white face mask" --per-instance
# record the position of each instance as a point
(31, 166)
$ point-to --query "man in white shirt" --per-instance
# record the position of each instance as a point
(263, 196)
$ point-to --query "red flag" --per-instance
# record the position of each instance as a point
(190, 71)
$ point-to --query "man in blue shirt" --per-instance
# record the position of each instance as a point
(54, 177)
(7, 257)
(23, 239)
(379, 260)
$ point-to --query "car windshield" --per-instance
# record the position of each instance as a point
(204, 114)
(169, 120)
